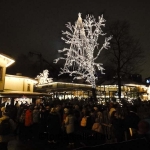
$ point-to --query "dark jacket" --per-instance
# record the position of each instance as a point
(131, 120)
(53, 123)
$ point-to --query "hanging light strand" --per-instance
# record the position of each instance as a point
(82, 38)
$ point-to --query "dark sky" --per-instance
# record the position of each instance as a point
(36, 25)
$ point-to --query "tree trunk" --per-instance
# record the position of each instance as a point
(94, 94)
(119, 88)
(119, 85)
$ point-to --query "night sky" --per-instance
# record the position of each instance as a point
(36, 25)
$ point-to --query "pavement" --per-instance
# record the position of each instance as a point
(33, 145)
(62, 145)
(41, 143)
(16, 144)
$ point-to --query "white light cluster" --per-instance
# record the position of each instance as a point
(43, 78)
(82, 38)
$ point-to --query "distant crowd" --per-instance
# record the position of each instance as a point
(79, 121)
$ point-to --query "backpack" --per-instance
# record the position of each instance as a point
(83, 121)
(5, 127)
(97, 127)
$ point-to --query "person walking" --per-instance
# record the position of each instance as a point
(7, 127)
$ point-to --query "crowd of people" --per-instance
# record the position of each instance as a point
(76, 121)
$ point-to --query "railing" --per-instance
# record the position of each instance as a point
(143, 112)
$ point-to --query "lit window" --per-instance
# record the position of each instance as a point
(28, 88)
(1, 73)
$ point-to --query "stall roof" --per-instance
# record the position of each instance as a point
(123, 82)
(18, 94)
(16, 76)
(8, 59)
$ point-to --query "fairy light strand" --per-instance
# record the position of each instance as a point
(82, 38)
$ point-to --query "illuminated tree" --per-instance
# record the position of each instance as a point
(83, 40)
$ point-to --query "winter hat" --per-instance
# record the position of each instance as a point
(35, 107)
(76, 107)
(66, 110)
(47, 107)
(95, 108)
(6, 113)
(53, 110)
(3, 109)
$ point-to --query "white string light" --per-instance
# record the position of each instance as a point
(82, 39)
(43, 78)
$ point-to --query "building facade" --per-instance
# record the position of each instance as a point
(16, 87)
(24, 89)
(62, 90)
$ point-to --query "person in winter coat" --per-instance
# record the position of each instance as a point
(36, 120)
(45, 116)
(28, 117)
(118, 126)
(4, 139)
(131, 121)
(143, 131)
(28, 123)
(77, 117)
(36, 115)
(65, 114)
(53, 126)
(3, 111)
(69, 123)
(43, 120)
(21, 124)
(87, 121)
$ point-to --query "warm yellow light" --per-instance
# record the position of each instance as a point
(64, 83)
(14, 77)
(9, 60)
